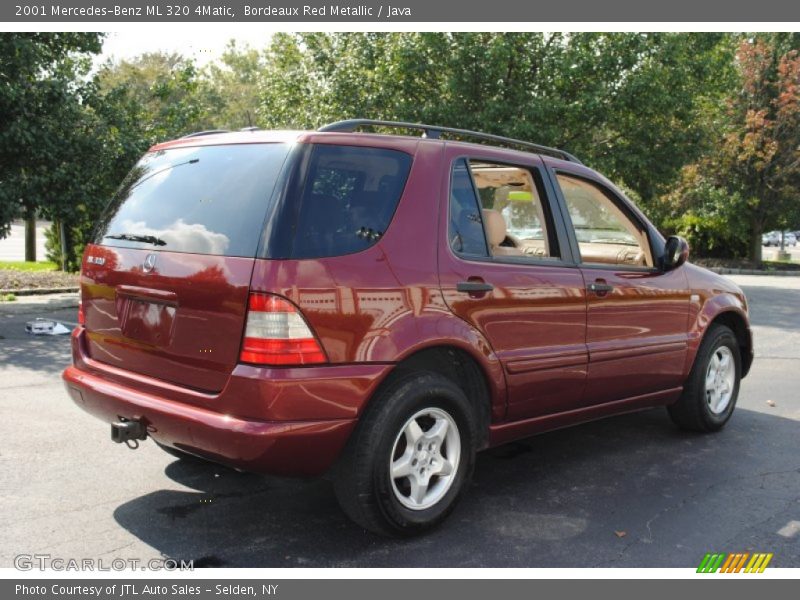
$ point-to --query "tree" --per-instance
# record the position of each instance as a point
(228, 89)
(127, 108)
(638, 107)
(753, 172)
(159, 91)
(42, 87)
(760, 154)
(626, 103)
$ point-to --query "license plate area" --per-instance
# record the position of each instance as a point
(147, 320)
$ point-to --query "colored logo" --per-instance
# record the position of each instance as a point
(741, 562)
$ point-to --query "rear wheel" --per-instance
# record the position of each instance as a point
(712, 388)
(408, 461)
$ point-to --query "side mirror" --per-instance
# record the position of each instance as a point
(676, 252)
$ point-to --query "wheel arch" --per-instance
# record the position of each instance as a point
(737, 323)
(476, 377)
(722, 309)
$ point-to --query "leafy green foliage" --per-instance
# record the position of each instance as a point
(228, 89)
(710, 218)
(44, 133)
(638, 107)
(626, 103)
(752, 173)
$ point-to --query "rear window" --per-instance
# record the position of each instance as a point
(346, 199)
(203, 200)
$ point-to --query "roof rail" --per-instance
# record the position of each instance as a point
(202, 133)
(435, 132)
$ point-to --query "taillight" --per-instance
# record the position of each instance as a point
(277, 334)
(81, 315)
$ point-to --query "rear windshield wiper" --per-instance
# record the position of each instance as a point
(130, 237)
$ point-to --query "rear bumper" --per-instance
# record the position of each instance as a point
(301, 446)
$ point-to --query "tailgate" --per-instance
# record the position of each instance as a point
(181, 322)
(165, 284)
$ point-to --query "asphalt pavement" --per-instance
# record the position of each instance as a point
(628, 491)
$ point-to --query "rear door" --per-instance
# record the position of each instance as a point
(505, 268)
(165, 285)
(637, 313)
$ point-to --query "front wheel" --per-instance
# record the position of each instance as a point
(410, 457)
(712, 388)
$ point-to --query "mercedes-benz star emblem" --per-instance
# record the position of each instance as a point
(149, 263)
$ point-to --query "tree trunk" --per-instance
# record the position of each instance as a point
(755, 244)
(30, 236)
(62, 243)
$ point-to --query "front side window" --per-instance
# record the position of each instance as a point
(605, 234)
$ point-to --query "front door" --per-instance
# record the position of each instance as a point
(637, 313)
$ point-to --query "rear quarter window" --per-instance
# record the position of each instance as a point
(202, 200)
(346, 199)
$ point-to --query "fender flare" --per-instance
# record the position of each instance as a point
(415, 333)
(721, 307)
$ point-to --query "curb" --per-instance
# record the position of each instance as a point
(39, 304)
(727, 271)
(41, 291)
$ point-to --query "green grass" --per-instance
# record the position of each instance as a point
(21, 265)
(7, 297)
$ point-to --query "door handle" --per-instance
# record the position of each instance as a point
(600, 287)
(474, 287)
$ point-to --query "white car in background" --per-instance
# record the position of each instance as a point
(773, 238)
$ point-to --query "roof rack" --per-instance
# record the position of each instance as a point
(202, 133)
(435, 132)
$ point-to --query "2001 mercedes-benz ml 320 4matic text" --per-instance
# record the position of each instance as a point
(377, 308)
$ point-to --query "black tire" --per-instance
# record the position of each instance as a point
(692, 411)
(362, 482)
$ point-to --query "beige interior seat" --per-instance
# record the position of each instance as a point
(495, 226)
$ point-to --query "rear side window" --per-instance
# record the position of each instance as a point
(202, 200)
(466, 225)
(347, 199)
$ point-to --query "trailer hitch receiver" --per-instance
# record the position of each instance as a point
(128, 432)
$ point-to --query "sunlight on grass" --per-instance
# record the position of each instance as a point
(21, 265)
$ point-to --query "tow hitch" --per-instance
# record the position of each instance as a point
(128, 433)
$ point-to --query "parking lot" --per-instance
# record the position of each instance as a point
(629, 491)
(771, 252)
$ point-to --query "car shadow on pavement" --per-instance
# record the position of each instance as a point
(626, 491)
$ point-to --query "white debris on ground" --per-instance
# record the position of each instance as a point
(41, 326)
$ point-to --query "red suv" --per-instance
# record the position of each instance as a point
(378, 308)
